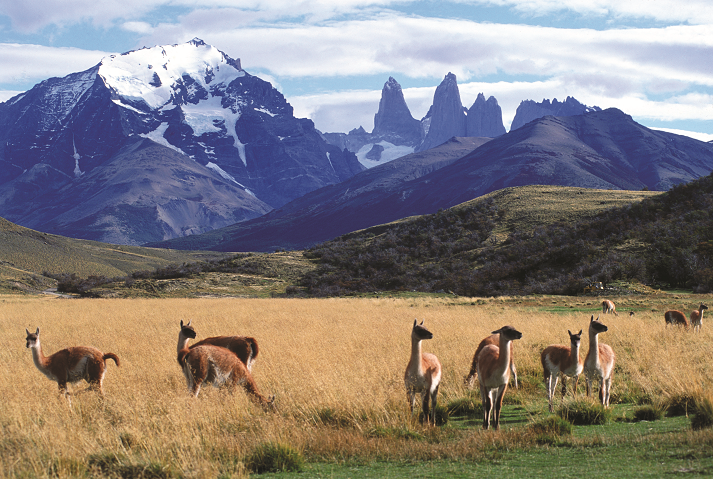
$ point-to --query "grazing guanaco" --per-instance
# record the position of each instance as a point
(599, 363)
(71, 365)
(494, 373)
(697, 317)
(423, 374)
(492, 339)
(557, 360)
(676, 318)
(217, 366)
(609, 308)
(244, 347)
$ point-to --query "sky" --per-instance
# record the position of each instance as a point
(652, 59)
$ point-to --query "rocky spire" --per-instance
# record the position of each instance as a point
(447, 115)
(393, 122)
(485, 118)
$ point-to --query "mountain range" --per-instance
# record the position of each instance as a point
(157, 143)
(177, 146)
(599, 149)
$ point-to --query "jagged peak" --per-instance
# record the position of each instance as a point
(450, 78)
(150, 74)
(392, 84)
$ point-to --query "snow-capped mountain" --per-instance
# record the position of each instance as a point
(191, 99)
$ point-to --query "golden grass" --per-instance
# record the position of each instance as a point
(335, 365)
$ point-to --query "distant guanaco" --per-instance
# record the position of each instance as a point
(71, 365)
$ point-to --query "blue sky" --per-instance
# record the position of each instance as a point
(653, 59)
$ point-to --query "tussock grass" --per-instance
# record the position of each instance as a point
(335, 365)
(703, 417)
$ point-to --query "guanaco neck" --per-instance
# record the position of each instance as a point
(593, 345)
(416, 355)
(38, 357)
(574, 350)
(182, 344)
(504, 357)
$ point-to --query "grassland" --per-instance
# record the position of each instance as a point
(26, 254)
(335, 366)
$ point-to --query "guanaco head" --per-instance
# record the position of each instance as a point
(509, 333)
(269, 404)
(187, 330)
(703, 306)
(575, 339)
(596, 326)
(420, 332)
(32, 338)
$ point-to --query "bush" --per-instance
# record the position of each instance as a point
(275, 457)
(703, 417)
(464, 407)
(648, 412)
(112, 465)
(680, 405)
(583, 412)
(550, 429)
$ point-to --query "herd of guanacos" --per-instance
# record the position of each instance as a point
(227, 361)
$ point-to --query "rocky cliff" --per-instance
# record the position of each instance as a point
(446, 118)
(485, 118)
(529, 110)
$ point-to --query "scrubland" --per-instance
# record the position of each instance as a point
(335, 366)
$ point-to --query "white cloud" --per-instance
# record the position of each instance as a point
(660, 59)
(142, 28)
(691, 11)
(23, 63)
(692, 134)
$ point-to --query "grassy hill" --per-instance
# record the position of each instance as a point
(524, 208)
(26, 254)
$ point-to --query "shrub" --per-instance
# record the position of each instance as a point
(680, 405)
(112, 465)
(552, 425)
(275, 457)
(550, 429)
(703, 417)
(464, 407)
(649, 412)
(583, 412)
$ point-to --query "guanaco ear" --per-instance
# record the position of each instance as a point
(570, 332)
(28, 333)
(415, 322)
(181, 323)
(422, 322)
(189, 322)
(38, 331)
(592, 319)
(580, 332)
